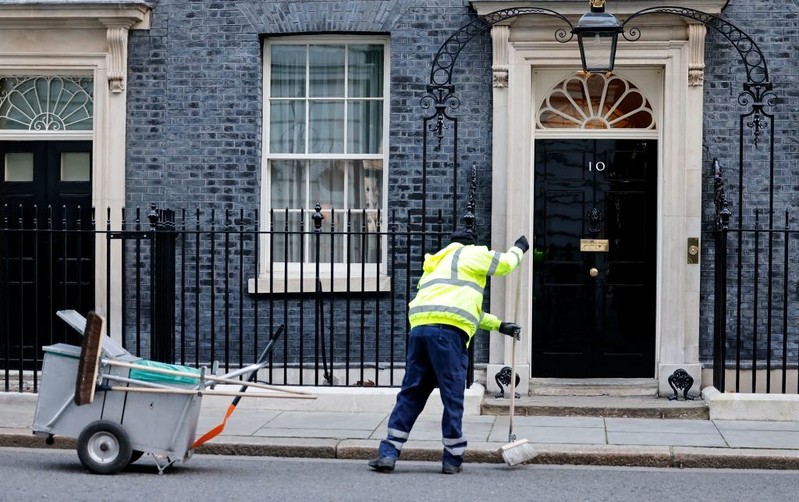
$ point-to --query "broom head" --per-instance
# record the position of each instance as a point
(89, 361)
(518, 452)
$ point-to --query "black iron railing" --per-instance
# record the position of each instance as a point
(756, 299)
(197, 287)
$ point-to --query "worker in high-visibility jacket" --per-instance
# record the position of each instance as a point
(444, 316)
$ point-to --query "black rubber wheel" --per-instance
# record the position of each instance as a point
(135, 456)
(104, 447)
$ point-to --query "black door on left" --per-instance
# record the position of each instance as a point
(47, 250)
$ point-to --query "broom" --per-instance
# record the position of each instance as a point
(517, 451)
(89, 359)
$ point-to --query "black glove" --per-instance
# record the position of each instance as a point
(522, 244)
(511, 329)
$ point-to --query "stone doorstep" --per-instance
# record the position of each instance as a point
(604, 406)
(647, 387)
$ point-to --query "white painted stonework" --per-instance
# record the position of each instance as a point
(743, 406)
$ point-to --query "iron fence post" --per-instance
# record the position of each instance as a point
(162, 298)
(319, 336)
(722, 225)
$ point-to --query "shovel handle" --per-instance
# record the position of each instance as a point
(261, 362)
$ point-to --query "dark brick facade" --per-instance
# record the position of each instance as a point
(774, 26)
(195, 103)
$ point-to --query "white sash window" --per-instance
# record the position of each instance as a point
(325, 142)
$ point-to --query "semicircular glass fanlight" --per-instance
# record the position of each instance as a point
(46, 103)
(595, 101)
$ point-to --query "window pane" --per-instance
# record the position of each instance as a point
(288, 184)
(75, 166)
(19, 167)
(364, 126)
(365, 199)
(327, 183)
(326, 71)
(366, 184)
(287, 71)
(286, 244)
(331, 246)
(287, 127)
(363, 243)
(326, 129)
(365, 71)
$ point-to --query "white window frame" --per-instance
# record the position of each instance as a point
(292, 277)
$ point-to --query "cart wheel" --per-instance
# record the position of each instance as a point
(135, 456)
(104, 447)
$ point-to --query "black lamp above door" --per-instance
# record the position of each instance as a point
(597, 33)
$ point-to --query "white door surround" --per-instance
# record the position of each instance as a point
(87, 39)
(667, 63)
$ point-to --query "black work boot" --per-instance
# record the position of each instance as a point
(383, 464)
(450, 469)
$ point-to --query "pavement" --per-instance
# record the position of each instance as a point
(355, 434)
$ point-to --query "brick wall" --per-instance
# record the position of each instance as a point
(195, 101)
(774, 26)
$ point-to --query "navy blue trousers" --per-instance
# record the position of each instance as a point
(436, 357)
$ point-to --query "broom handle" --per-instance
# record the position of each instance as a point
(515, 300)
(511, 437)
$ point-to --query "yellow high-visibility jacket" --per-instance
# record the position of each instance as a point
(451, 287)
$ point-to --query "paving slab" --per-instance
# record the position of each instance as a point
(665, 439)
(326, 420)
(750, 425)
(541, 421)
(240, 423)
(762, 439)
(553, 435)
(660, 426)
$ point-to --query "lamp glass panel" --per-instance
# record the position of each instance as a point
(598, 50)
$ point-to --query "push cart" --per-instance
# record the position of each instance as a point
(119, 407)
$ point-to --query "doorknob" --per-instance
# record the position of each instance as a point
(593, 272)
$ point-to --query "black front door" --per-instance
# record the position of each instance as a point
(47, 253)
(594, 258)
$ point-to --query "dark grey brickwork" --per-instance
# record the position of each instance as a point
(195, 103)
(774, 25)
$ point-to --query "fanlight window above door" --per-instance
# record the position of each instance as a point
(595, 101)
(46, 103)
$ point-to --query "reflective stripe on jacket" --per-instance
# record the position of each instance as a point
(451, 287)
